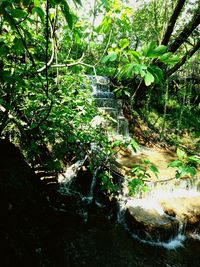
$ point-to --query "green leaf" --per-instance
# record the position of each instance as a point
(57, 1)
(192, 171)
(110, 57)
(130, 70)
(148, 49)
(154, 169)
(135, 56)
(36, 3)
(175, 163)
(68, 16)
(123, 43)
(172, 60)
(148, 78)
(40, 12)
(17, 13)
(177, 175)
(140, 69)
(145, 161)
(160, 49)
(113, 56)
(134, 145)
(117, 143)
(165, 56)
(157, 73)
(127, 93)
(194, 160)
(78, 2)
(18, 45)
(26, 2)
(180, 153)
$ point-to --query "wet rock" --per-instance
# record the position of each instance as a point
(150, 225)
(185, 209)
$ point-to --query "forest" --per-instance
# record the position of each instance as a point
(50, 52)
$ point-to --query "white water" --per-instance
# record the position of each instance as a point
(152, 203)
(106, 102)
(65, 179)
(156, 195)
(90, 195)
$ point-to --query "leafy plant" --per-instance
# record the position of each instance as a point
(107, 183)
(141, 176)
(141, 64)
(185, 165)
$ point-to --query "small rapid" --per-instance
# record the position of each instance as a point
(169, 213)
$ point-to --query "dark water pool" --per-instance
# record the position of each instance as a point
(113, 246)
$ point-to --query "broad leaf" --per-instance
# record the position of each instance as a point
(110, 57)
(148, 49)
(175, 163)
(39, 11)
(165, 56)
(157, 73)
(153, 168)
(134, 145)
(130, 70)
(172, 60)
(160, 49)
(17, 13)
(148, 78)
(134, 56)
(68, 16)
(192, 171)
(123, 43)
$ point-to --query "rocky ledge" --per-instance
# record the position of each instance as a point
(162, 219)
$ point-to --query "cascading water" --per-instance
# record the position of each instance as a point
(106, 101)
(90, 196)
(65, 179)
(162, 225)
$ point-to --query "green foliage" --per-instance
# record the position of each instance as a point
(107, 183)
(45, 103)
(142, 63)
(136, 185)
(141, 176)
(185, 165)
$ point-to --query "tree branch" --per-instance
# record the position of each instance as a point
(47, 46)
(184, 59)
(188, 29)
(172, 21)
(79, 62)
(52, 54)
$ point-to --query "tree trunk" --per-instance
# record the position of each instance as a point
(184, 59)
(188, 29)
(172, 22)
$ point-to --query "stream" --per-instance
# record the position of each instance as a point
(106, 240)
(113, 246)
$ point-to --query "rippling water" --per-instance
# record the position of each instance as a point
(113, 246)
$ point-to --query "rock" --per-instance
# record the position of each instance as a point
(185, 209)
(164, 218)
(151, 225)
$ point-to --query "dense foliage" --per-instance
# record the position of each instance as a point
(47, 49)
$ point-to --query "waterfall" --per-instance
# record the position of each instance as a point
(90, 196)
(65, 179)
(106, 101)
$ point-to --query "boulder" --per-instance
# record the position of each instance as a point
(185, 209)
(151, 225)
